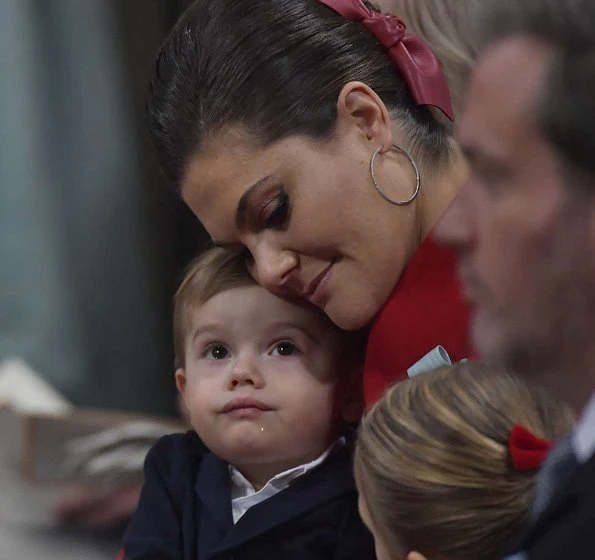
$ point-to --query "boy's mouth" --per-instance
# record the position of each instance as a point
(245, 407)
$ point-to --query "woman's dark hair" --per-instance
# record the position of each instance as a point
(275, 67)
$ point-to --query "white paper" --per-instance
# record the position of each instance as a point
(25, 392)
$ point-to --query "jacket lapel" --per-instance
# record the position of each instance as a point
(565, 500)
(213, 489)
(332, 479)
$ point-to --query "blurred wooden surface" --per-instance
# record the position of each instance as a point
(28, 530)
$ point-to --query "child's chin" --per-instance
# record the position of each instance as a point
(248, 442)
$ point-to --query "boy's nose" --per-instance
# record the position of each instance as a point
(246, 372)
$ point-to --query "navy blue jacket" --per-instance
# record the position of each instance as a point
(566, 529)
(185, 511)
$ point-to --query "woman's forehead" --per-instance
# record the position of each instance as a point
(233, 161)
(221, 157)
(219, 174)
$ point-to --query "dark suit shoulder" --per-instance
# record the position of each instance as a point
(174, 456)
(155, 530)
(567, 529)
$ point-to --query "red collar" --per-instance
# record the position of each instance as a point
(425, 310)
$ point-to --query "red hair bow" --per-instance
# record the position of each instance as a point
(527, 451)
(409, 53)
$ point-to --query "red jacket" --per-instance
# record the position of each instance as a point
(425, 310)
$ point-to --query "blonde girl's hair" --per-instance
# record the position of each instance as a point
(449, 28)
(433, 465)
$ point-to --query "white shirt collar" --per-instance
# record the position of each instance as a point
(244, 496)
(583, 436)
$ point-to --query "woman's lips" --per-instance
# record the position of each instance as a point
(317, 287)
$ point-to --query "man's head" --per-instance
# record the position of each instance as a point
(266, 380)
(525, 221)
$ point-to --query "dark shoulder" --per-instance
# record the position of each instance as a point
(175, 454)
(566, 529)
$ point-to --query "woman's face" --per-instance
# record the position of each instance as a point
(308, 217)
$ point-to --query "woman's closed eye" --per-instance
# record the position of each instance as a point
(276, 213)
(247, 257)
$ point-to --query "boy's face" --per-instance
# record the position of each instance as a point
(261, 378)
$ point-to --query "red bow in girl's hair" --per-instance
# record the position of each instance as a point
(410, 54)
(527, 451)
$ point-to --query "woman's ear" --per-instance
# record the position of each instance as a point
(414, 555)
(361, 110)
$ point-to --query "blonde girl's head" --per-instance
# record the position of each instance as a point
(433, 464)
(448, 27)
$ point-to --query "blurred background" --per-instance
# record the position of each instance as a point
(92, 242)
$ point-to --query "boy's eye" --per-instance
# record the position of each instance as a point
(217, 352)
(284, 349)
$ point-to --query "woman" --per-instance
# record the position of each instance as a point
(310, 135)
(446, 462)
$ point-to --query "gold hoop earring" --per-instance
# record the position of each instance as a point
(378, 187)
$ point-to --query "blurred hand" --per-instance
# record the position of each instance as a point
(90, 508)
(110, 464)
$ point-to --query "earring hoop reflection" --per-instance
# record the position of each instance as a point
(379, 188)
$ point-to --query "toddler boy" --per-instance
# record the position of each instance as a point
(267, 473)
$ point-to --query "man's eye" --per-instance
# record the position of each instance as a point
(491, 178)
(216, 352)
(284, 348)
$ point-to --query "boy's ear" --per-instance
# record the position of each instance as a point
(352, 381)
(352, 395)
(181, 382)
(183, 409)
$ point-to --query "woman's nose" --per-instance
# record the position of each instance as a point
(273, 268)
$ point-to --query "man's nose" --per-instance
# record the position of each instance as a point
(456, 223)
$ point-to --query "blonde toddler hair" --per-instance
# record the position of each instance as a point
(214, 271)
